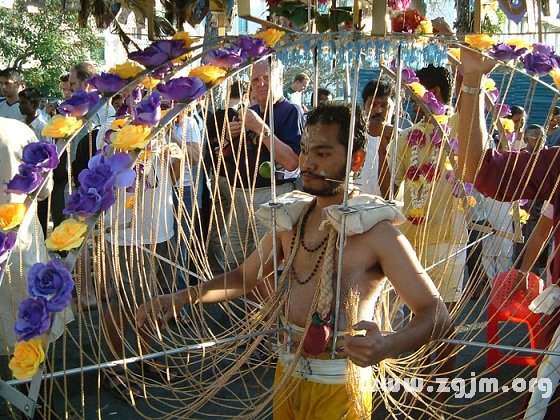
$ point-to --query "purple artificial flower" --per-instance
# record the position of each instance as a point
(225, 58)
(252, 47)
(86, 203)
(182, 88)
(98, 175)
(148, 111)
(107, 83)
(120, 165)
(7, 242)
(40, 155)
(539, 64)
(468, 188)
(435, 106)
(53, 282)
(506, 52)
(123, 111)
(162, 71)
(159, 52)
(493, 95)
(79, 104)
(454, 144)
(436, 136)
(543, 49)
(33, 319)
(503, 109)
(25, 182)
(407, 75)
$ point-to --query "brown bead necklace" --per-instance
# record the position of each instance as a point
(321, 246)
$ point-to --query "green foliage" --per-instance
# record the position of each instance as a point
(43, 45)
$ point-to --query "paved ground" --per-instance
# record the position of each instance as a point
(166, 404)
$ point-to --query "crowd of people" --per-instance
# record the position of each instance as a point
(207, 177)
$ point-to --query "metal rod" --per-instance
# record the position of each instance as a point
(342, 236)
(499, 347)
(394, 145)
(150, 356)
(459, 251)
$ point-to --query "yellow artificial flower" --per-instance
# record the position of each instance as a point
(185, 37)
(523, 216)
(480, 41)
(11, 215)
(127, 70)
(424, 27)
(471, 201)
(150, 83)
(416, 212)
(68, 235)
(144, 155)
(507, 124)
(208, 73)
(28, 356)
(60, 126)
(447, 165)
(455, 52)
(119, 123)
(271, 36)
(131, 137)
(417, 88)
(555, 74)
(130, 202)
(519, 43)
(442, 119)
(490, 85)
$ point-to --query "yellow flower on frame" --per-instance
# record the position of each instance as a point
(150, 83)
(490, 85)
(471, 201)
(424, 27)
(417, 88)
(416, 212)
(507, 124)
(185, 37)
(127, 70)
(131, 137)
(519, 43)
(555, 74)
(28, 356)
(271, 36)
(68, 235)
(11, 215)
(119, 123)
(481, 41)
(455, 52)
(442, 119)
(208, 73)
(130, 202)
(60, 126)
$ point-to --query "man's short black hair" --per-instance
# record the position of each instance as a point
(323, 92)
(379, 88)
(12, 74)
(341, 114)
(432, 77)
(517, 110)
(64, 78)
(32, 95)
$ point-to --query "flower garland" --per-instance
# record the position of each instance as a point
(50, 285)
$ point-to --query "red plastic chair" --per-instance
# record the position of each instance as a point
(512, 307)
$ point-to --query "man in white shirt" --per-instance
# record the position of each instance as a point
(11, 83)
(29, 100)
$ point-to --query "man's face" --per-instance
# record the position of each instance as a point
(260, 83)
(66, 89)
(26, 107)
(377, 110)
(10, 88)
(75, 83)
(301, 85)
(323, 99)
(322, 156)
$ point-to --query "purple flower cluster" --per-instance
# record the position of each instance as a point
(435, 106)
(407, 75)
(148, 111)
(159, 53)
(506, 52)
(226, 58)
(107, 83)
(33, 319)
(7, 242)
(96, 191)
(541, 60)
(252, 47)
(79, 104)
(53, 282)
(182, 88)
(25, 181)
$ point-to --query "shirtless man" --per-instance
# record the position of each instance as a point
(380, 252)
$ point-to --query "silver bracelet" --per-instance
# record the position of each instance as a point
(471, 90)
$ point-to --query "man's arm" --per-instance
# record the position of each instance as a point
(472, 132)
(227, 286)
(431, 319)
(283, 153)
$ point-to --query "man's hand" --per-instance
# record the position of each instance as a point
(160, 310)
(473, 62)
(234, 130)
(366, 350)
(253, 121)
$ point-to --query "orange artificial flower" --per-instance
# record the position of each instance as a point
(208, 73)
(28, 356)
(11, 215)
(271, 36)
(68, 235)
(480, 41)
(60, 126)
